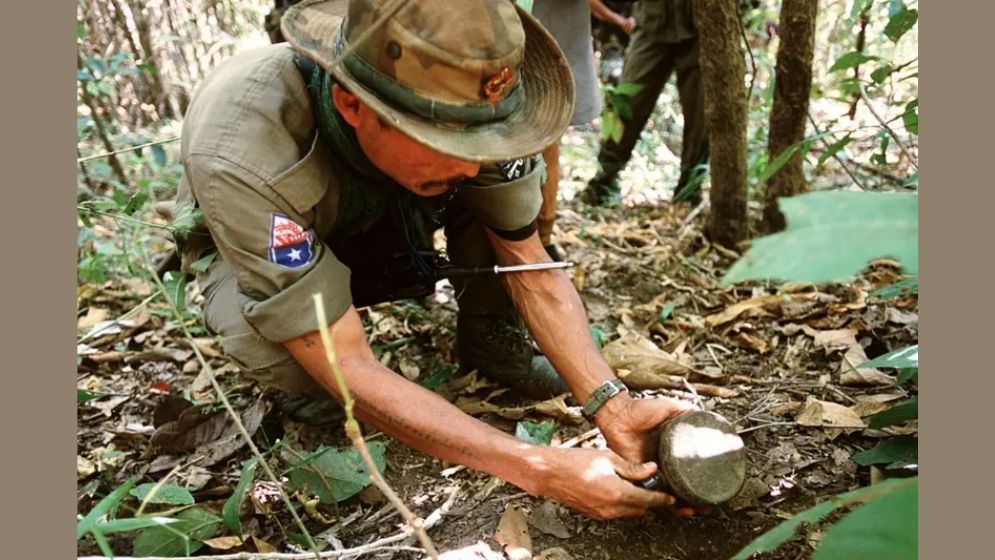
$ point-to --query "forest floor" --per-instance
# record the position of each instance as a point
(776, 360)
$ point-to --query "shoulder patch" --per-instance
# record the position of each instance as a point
(512, 170)
(289, 242)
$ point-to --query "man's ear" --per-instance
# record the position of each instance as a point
(347, 105)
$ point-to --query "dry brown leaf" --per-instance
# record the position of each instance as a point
(637, 353)
(224, 543)
(108, 406)
(555, 553)
(754, 307)
(212, 436)
(865, 409)
(855, 356)
(263, 546)
(752, 342)
(786, 408)
(714, 391)
(823, 414)
(546, 520)
(900, 317)
(554, 408)
(84, 467)
(93, 316)
(208, 347)
(409, 369)
(512, 534)
(835, 339)
(642, 380)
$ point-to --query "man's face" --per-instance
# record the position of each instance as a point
(417, 168)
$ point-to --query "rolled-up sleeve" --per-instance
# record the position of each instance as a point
(502, 203)
(278, 261)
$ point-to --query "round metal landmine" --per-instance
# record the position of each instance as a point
(701, 458)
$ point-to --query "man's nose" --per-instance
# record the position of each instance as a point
(467, 169)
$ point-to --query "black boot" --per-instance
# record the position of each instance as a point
(498, 347)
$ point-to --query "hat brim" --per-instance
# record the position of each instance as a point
(312, 29)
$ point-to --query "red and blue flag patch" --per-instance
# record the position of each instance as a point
(290, 243)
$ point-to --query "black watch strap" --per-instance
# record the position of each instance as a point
(600, 396)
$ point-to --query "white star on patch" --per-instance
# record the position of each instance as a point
(295, 255)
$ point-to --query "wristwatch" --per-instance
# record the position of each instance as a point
(600, 396)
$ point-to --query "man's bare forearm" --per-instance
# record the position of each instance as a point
(420, 418)
(554, 313)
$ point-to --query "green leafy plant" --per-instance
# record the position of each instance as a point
(334, 475)
(538, 433)
(832, 236)
(616, 108)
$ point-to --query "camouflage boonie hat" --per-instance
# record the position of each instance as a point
(478, 80)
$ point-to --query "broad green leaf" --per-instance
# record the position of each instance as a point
(525, 5)
(834, 149)
(900, 23)
(901, 412)
(668, 308)
(183, 538)
(131, 524)
(537, 433)
(895, 6)
(832, 236)
(786, 529)
(103, 508)
(884, 528)
(901, 288)
(165, 494)
(903, 449)
(781, 159)
(186, 218)
(857, 7)
(230, 511)
(135, 203)
(908, 374)
(441, 376)
(851, 60)
(628, 89)
(80, 30)
(599, 336)
(83, 396)
(907, 357)
(175, 284)
(881, 73)
(337, 474)
(910, 117)
(203, 263)
(159, 155)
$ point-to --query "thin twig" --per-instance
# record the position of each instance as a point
(116, 322)
(355, 435)
(124, 150)
(229, 408)
(768, 425)
(835, 156)
(123, 218)
(894, 136)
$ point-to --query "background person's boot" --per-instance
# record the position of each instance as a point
(498, 347)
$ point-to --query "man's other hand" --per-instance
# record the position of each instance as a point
(597, 483)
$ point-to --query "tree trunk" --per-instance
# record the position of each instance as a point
(792, 85)
(165, 104)
(723, 76)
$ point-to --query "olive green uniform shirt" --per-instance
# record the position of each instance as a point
(270, 188)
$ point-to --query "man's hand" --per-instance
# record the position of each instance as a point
(596, 483)
(628, 423)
